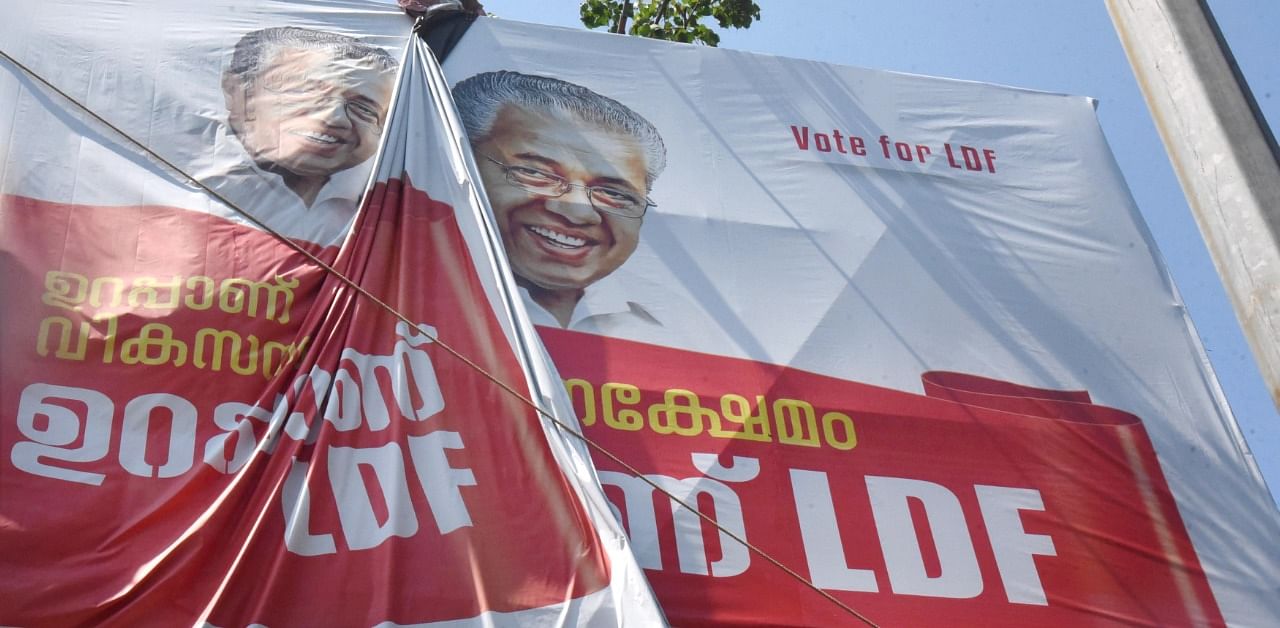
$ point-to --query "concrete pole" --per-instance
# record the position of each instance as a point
(1222, 151)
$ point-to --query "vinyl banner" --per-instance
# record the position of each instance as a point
(908, 336)
(220, 419)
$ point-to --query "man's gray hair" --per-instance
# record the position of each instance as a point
(255, 49)
(481, 97)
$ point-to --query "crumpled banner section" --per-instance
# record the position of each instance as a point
(216, 422)
(201, 425)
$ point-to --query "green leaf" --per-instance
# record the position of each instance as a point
(672, 20)
(595, 13)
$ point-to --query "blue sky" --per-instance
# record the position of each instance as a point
(1064, 47)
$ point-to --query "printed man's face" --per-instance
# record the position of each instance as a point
(561, 243)
(310, 114)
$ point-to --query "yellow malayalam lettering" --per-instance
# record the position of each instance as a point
(681, 412)
(664, 418)
(155, 344)
(629, 420)
(830, 420)
(272, 300)
(225, 338)
(206, 287)
(159, 337)
(287, 352)
(242, 295)
(153, 294)
(796, 422)
(581, 389)
(64, 290)
(65, 327)
(751, 424)
(109, 338)
(113, 287)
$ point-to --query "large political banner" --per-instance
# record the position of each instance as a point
(248, 404)
(906, 335)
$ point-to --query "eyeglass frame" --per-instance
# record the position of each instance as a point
(565, 186)
(320, 100)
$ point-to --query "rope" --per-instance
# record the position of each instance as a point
(342, 278)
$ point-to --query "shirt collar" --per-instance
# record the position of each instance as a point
(602, 298)
(605, 297)
(229, 159)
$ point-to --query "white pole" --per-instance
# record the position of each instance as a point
(1222, 151)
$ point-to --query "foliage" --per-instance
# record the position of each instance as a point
(673, 20)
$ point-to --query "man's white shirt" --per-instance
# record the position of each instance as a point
(618, 308)
(604, 312)
(233, 173)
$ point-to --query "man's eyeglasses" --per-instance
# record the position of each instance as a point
(603, 198)
(310, 94)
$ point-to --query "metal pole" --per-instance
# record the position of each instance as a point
(1222, 151)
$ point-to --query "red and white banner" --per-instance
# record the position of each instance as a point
(201, 425)
(980, 501)
(907, 335)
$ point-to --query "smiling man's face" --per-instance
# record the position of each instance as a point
(311, 115)
(561, 243)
